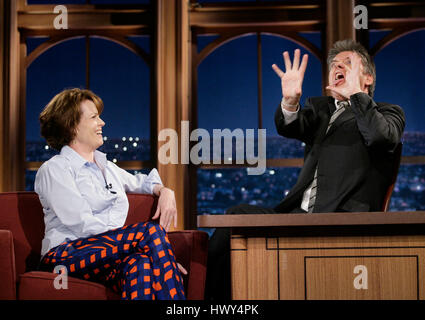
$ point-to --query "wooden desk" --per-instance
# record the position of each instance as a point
(365, 255)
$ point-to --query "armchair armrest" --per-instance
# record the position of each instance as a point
(7, 266)
(191, 250)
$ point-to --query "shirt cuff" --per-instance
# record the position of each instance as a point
(289, 116)
(152, 179)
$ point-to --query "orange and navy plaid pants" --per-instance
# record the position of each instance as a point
(135, 260)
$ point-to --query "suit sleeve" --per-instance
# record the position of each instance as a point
(303, 127)
(381, 126)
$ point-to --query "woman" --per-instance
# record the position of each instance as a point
(85, 206)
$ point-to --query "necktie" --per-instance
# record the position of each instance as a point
(342, 105)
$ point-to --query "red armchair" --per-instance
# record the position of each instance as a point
(21, 232)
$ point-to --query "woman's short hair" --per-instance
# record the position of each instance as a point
(350, 45)
(60, 118)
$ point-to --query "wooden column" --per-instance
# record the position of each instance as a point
(3, 87)
(339, 26)
(12, 132)
(172, 91)
(339, 21)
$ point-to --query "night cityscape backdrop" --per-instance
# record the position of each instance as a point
(227, 98)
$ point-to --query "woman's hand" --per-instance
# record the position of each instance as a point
(181, 269)
(166, 210)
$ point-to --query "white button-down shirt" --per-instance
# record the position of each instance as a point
(76, 200)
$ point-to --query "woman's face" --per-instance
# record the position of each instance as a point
(89, 129)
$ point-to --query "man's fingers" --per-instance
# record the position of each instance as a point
(296, 63)
(332, 88)
(303, 66)
(356, 64)
(278, 71)
(287, 61)
(338, 90)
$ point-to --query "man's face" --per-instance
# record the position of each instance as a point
(341, 66)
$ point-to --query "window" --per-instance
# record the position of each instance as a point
(401, 83)
(119, 76)
(60, 67)
(122, 80)
(228, 97)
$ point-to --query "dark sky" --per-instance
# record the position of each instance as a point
(117, 75)
(400, 69)
(227, 81)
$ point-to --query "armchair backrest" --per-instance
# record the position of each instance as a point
(21, 212)
(396, 166)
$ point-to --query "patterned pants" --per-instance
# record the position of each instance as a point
(135, 260)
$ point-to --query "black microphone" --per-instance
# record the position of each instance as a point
(109, 187)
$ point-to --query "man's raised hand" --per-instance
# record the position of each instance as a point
(292, 78)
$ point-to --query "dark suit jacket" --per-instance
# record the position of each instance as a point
(354, 159)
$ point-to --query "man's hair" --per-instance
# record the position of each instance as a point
(60, 118)
(350, 45)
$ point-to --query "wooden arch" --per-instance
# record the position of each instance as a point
(120, 40)
(391, 37)
(227, 37)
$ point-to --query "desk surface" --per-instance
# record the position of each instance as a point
(312, 219)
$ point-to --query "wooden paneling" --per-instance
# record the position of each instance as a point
(239, 268)
(320, 219)
(361, 278)
(261, 262)
(336, 268)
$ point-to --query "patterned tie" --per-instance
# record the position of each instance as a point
(342, 105)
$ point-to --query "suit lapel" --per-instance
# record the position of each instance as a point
(342, 118)
(324, 106)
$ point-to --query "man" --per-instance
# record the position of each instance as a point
(350, 142)
(348, 166)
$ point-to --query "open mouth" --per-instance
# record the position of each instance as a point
(338, 78)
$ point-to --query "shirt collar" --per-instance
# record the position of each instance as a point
(77, 161)
(100, 159)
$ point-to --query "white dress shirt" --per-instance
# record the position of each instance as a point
(290, 116)
(82, 198)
